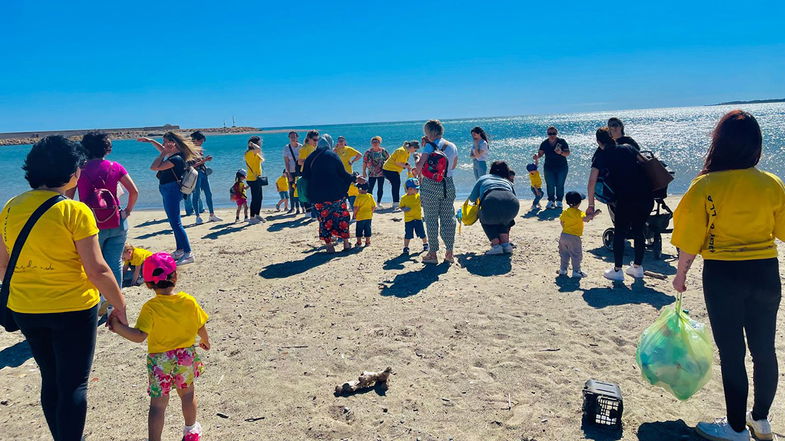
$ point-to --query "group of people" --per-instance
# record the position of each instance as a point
(731, 215)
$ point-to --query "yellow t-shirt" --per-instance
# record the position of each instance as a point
(572, 221)
(364, 205)
(49, 276)
(346, 154)
(413, 201)
(399, 155)
(295, 194)
(306, 151)
(353, 191)
(170, 322)
(282, 184)
(731, 215)
(535, 179)
(139, 255)
(254, 163)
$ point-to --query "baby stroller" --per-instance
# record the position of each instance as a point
(656, 224)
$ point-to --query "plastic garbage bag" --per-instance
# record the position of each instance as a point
(676, 353)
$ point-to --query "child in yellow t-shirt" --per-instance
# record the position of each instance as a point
(296, 199)
(412, 215)
(170, 323)
(238, 194)
(134, 257)
(364, 206)
(570, 246)
(536, 184)
(282, 185)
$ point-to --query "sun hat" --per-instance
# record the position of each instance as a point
(377, 138)
(158, 267)
(242, 172)
(412, 183)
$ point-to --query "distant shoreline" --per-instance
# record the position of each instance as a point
(133, 134)
(769, 101)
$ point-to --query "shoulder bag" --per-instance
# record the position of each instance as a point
(6, 315)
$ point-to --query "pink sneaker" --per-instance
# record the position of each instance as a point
(193, 433)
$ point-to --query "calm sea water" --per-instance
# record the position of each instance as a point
(679, 136)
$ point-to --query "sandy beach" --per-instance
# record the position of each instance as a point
(491, 348)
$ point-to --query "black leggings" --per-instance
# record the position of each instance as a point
(62, 345)
(395, 183)
(256, 197)
(380, 192)
(742, 297)
(629, 220)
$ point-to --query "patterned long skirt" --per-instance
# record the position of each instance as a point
(333, 220)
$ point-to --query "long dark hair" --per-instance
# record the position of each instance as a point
(500, 169)
(736, 143)
(478, 130)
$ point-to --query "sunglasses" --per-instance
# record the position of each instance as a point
(375, 141)
(613, 126)
(551, 133)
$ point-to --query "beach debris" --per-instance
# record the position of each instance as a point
(253, 419)
(222, 415)
(655, 275)
(365, 380)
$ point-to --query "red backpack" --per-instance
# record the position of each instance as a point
(435, 167)
(104, 203)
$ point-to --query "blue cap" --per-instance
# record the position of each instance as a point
(531, 167)
(412, 183)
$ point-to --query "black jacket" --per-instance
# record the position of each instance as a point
(327, 178)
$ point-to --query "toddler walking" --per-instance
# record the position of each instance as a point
(570, 246)
(170, 322)
(238, 195)
(364, 205)
(412, 215)
(536, 184)
(282, 185)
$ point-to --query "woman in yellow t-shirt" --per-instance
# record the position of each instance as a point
(394, 165)
(53, 296)
(731, 215)
(253, 162)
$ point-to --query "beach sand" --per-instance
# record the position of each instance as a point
(491, 348)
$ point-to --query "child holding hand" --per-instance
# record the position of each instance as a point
(536, 183)
(170, 323)
(570, 246)
(412, 215)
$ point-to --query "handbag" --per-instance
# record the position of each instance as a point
(659, 176)
(263, 180)
(470, 213)
(6, 316)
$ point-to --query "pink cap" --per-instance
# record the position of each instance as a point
(158, 261)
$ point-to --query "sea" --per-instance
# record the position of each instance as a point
(679, 136)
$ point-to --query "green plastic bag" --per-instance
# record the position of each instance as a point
(676, 353)
(302, 190)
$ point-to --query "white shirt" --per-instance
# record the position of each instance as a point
(291, 166)
(450, 151)
(481, 151)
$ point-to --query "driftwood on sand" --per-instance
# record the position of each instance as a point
(365, 380)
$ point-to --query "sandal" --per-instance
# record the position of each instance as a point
(330, 249)
(346, 245)
(429, 259)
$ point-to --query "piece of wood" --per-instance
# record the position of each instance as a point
(655, 275)
(366, 379)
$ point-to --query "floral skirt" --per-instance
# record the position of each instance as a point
(333, 220)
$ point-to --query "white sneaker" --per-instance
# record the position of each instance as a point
(561, 272)
(199, 220)
(193, 432)
(495, 250)
(761, 429)
(720, 430)
(578, 274)
(558, 204)
(186, 259)
(214, 218)
(507, 248)
(260, 218)
(551, 205)
(252, 220)
(614, 274)
(634, 271)
(178, 254)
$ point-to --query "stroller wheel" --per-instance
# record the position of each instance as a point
(656, 247)
(607, 238)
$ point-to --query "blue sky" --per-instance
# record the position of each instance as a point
(83, 64)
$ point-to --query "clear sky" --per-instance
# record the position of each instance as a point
(89, 64)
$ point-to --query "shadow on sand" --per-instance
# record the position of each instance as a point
(16, 355)
(485, 266)
(294, 267)
(662, 430)
(542, 215)
(662, 266)
(411, 283)
(621, 294)
(152, 222)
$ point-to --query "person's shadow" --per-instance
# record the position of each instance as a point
(224, 230)
(16, 355)
(411, 283)
(293, 267)
(662, 266)
(543, 215)
(666, 430)
(621, 294)
(396, 263)
(278, 226)
(485, 266)
(568, 284)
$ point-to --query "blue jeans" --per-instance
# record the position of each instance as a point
(188, 201)
(172, 197)
(480, 168)
(537, 192)
(202, 184)
(112, 242)
(554, 180)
